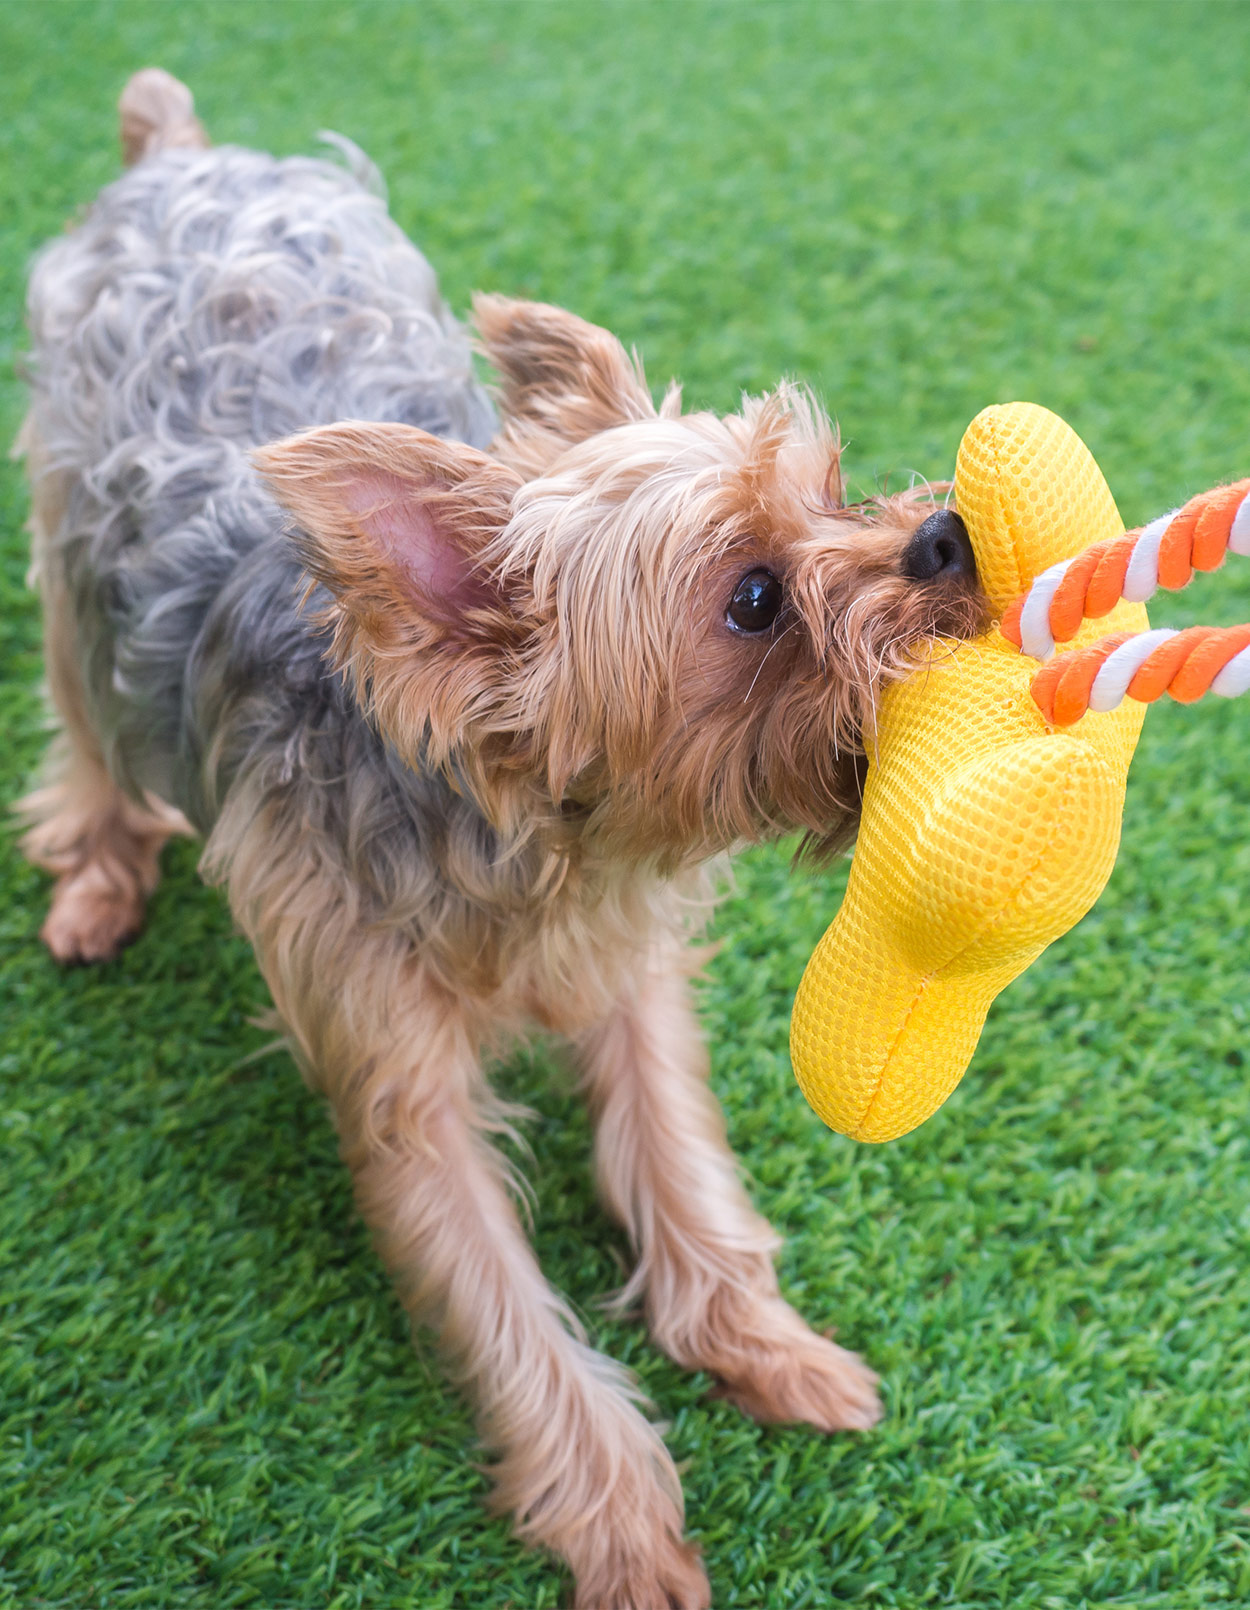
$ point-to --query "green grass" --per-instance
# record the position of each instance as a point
(207, 1396)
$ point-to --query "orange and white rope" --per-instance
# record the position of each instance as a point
(1142, 665)
(1145, 666)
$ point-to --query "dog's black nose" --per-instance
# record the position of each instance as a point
(940, 548)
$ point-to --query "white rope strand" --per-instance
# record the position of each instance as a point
(1122, 665)
(1035, 638)
(1141, 580)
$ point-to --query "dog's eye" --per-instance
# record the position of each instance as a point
(756, 602)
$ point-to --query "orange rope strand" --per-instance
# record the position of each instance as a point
(1061, 688)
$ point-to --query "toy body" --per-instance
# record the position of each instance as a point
(986, 833)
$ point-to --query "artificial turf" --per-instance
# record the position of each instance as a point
(207, 1394)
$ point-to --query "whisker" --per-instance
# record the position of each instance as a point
(764, 661)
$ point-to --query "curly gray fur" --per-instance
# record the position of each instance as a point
(210, 302)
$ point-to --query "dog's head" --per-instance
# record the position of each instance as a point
(661, 630)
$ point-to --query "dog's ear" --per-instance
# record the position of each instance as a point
(560, 379)
(395, 523)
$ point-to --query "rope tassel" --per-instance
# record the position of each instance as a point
(1143, 665)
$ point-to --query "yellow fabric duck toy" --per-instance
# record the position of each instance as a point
(986, 831)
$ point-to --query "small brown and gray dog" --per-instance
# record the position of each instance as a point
(465, 709)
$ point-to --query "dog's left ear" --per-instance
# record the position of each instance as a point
(561, 380)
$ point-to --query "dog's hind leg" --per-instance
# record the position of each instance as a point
(705, 1257)
(103, 847)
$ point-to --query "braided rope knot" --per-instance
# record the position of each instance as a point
(1141, 665)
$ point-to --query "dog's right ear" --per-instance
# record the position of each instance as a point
(396, 524)
(561, 380)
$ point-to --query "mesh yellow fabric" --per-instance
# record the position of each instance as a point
(985, 833)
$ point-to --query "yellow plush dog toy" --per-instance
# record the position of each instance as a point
(986, 832)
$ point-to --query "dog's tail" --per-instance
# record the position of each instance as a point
(157, 112)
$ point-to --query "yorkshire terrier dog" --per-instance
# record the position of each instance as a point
(467, 708)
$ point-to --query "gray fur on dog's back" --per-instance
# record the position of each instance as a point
(210, 302)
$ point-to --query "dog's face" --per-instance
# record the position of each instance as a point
(660, 631)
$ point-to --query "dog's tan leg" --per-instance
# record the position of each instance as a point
(103, 847)
(705, 1258)
(579, 1466)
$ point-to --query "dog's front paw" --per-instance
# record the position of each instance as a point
(668, 1577)
(599, 1487)
(776, 1369)
(821, 1384)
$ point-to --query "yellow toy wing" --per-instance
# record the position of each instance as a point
(986, 833)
